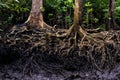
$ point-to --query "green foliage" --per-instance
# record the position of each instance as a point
(14, 11)
(96, 12)
(59, 12)
(88, 7)
(117, 9)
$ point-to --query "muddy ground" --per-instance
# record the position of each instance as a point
(33, 55)
(10, 72)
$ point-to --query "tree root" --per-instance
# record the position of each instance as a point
(38, 25)
(46, 26)
(66, 43)
(96, 39)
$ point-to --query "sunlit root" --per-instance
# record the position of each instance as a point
(38, 24)
(46, 25)
(82, 35)
(86, 36)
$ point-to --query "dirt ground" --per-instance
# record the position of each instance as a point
(10, 72)
(33, 55)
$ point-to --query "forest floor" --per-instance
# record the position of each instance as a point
(11, 72)
(35, 55)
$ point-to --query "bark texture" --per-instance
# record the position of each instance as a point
(76, 29)
(111, 14)
(112, 23)
(35, 18)
(77, 17)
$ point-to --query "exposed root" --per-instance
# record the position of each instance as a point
(46, 26)
(97, 38)
(44, 42)
(100, 40)
(38, 25)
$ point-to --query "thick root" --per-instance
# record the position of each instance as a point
(80, 43)
(86, 36)
(97, 38)
(39, 24)
(46, 26)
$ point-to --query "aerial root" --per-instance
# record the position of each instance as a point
(76, 35)
(66, 45)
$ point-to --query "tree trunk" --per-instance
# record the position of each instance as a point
(77, 12)
(111, 14)
(35, 18)
(76, 28)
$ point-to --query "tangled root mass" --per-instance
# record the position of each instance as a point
(33, 46)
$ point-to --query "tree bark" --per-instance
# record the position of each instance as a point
(77, 21)
(111, 14)
(35, 18)
(78, 12)
(76, 30)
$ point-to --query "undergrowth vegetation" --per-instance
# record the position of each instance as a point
(58, 12)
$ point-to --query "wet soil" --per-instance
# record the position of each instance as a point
(10, 72)
(33, 55)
